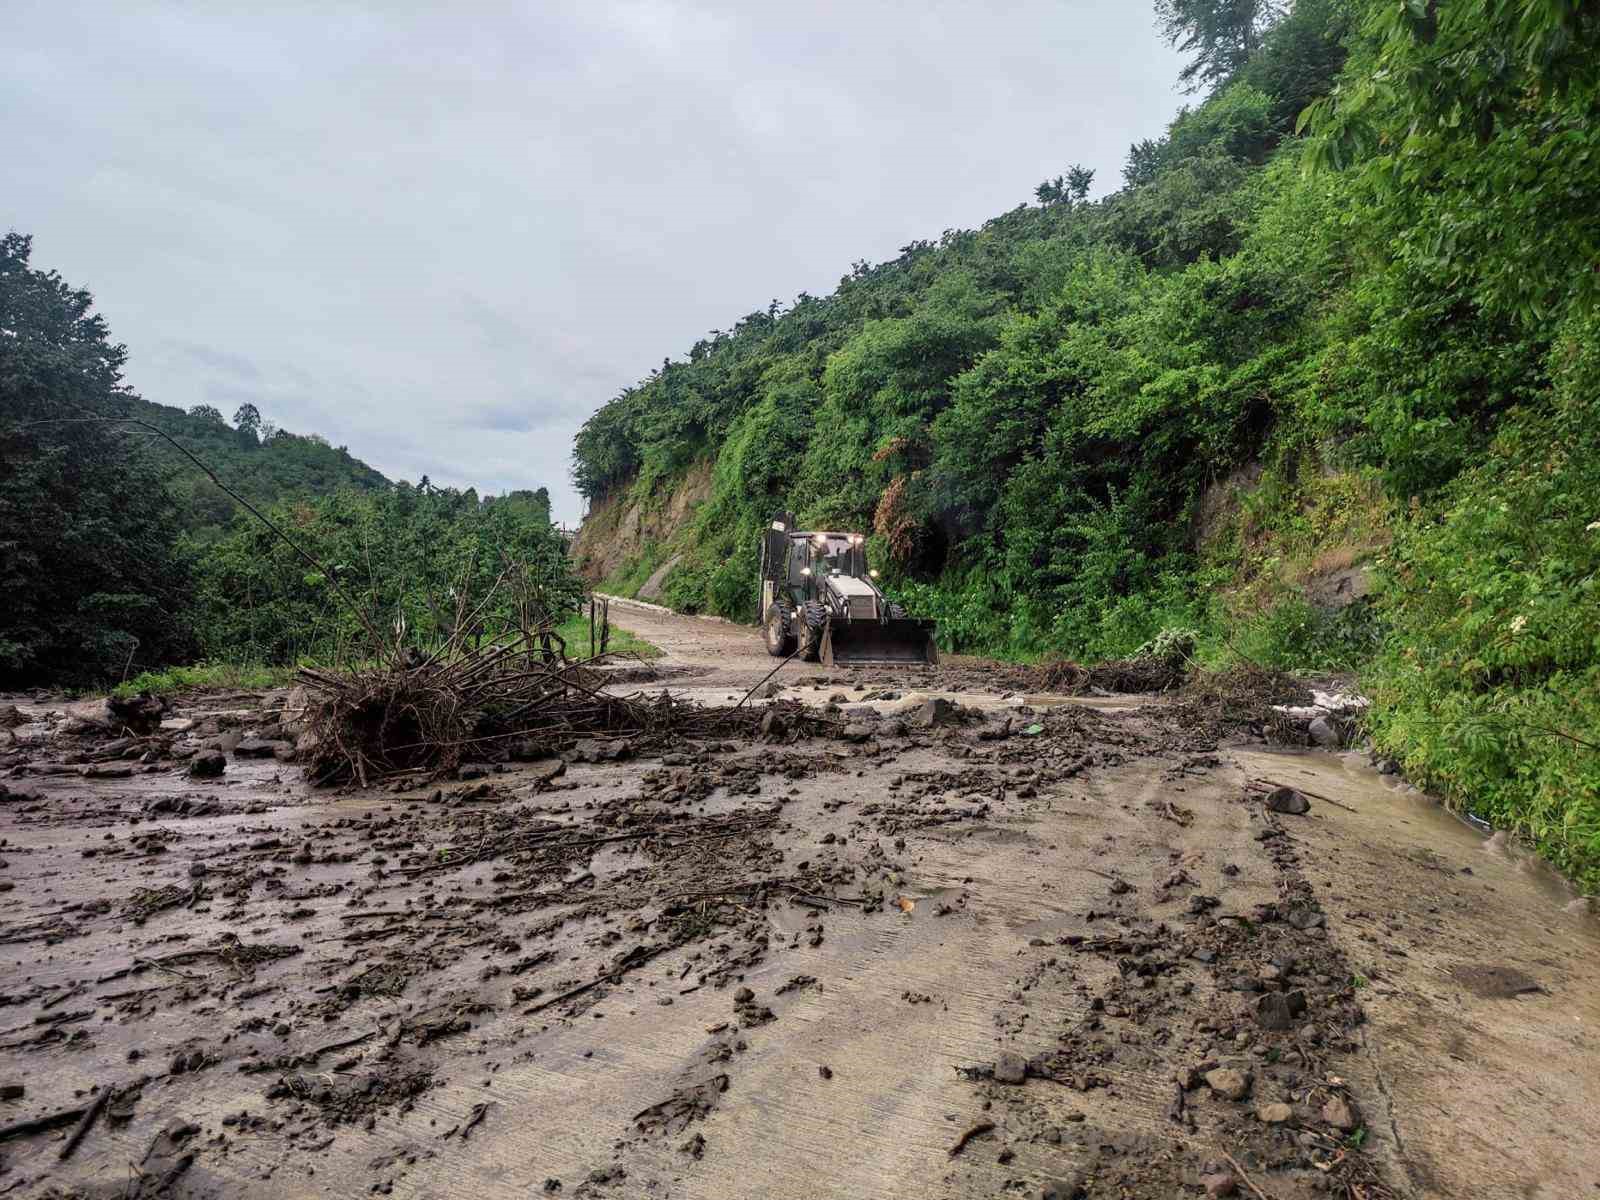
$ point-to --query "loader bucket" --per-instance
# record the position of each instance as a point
(858, 642)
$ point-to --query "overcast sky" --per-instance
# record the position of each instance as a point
(444, 234)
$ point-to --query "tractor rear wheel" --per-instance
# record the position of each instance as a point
(780, 642)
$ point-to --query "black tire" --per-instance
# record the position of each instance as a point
(815, 617)
(780, 642)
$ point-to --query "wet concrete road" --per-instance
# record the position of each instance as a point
(903, 912)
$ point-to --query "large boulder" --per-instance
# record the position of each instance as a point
(296, 710)
(139, 715)
(208, 764)
(935, 711)
(261, 748)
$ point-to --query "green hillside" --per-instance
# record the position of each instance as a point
(262, 463)
(1335, 337)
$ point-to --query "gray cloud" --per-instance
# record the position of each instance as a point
(443, 235)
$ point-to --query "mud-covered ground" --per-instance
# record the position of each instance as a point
(1014, 947)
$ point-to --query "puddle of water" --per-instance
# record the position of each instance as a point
(1468, 840)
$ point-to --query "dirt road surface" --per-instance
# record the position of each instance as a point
(1026, 946)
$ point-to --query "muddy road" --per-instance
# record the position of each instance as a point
(1017, 945)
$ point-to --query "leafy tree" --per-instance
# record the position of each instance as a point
(1071, 188)
(205, 412)
(90, 580)
(1474, 128)
(1221, 35)
(1235, 124)
(247, 420)
(1300, 59)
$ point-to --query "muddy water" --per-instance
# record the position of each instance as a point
(1490, 1090)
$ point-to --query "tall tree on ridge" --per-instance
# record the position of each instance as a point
(1220, 34)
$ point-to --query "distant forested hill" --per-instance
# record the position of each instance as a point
(262, 463)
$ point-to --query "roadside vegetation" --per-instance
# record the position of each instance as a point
(205, 677)
(119, 557)
(1335, 331)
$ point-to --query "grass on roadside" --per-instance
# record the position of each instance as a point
(206, 677)
(575, 632)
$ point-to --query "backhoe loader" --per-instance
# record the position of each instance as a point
(819, 598)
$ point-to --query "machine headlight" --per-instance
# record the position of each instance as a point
(805, 570)
(779, 526)
(856, 539)
(874, 574)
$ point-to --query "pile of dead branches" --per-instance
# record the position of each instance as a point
(427, 717)
(1243, 697)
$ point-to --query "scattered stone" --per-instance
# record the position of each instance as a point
(1274, 1114)
(1288, 800)
(1272, 1011)
(1220, 1184)
(259, 748)
(1325, 733)
(208, 764)
(1228, 1083)
(1337, 1112)
(1063, 1189)
(12, 1091)
(937, 711)
(547, 770)
(1010, 1067)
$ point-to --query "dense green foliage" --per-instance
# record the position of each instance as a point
(120, 558)
(406, 559)
(89, 574)
(1342, 310)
